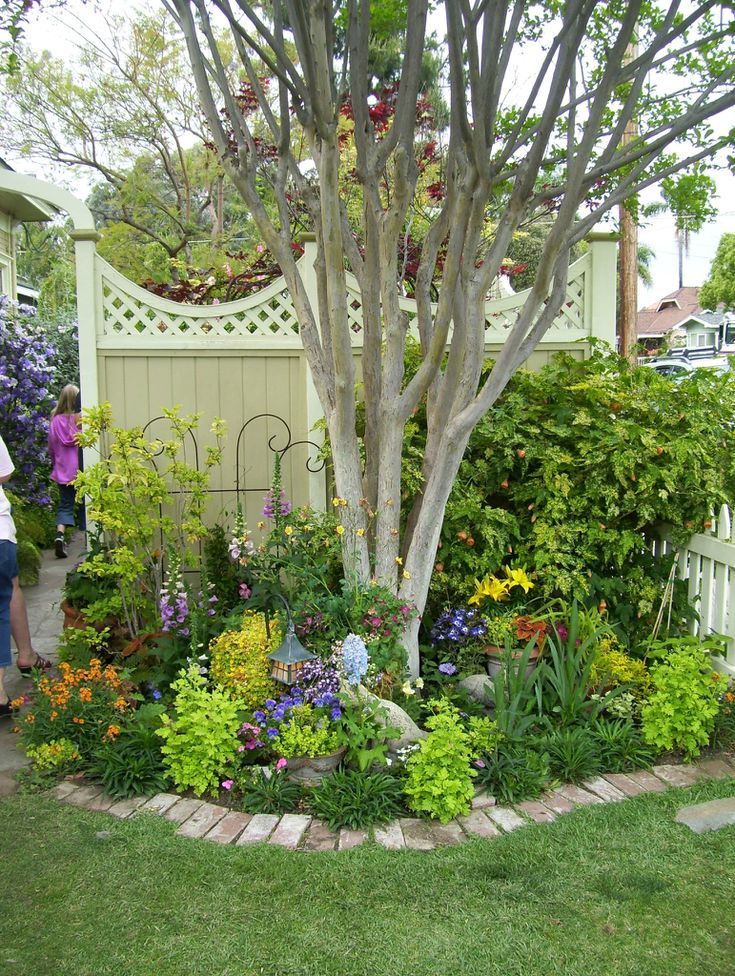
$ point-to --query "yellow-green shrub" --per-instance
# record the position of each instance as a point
(612, 667)
(239, 659)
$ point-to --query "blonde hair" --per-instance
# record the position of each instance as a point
(67, 400)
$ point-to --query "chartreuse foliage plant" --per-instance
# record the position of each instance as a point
(439, 781)
(145, 499)
(681, 711)
(239, 659)
(200, 738)
(307, 733)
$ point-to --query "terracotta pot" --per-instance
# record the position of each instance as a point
(74, 617)
(311, 770)
(495, 656)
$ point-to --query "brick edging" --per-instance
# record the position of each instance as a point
(209, 821)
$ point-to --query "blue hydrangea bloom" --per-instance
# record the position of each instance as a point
(354, 658)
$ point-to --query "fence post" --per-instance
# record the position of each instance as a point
(601, 291)
(317, 480)
(85, 252)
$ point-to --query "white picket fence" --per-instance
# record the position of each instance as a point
(707, 562)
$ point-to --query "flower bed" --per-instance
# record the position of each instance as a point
(272, 684)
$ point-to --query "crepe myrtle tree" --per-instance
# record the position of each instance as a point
(509, 152)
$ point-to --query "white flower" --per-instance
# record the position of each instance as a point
(407, 689)
(419, 683)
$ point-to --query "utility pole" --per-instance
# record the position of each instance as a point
(628, 331)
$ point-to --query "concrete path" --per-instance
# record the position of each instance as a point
(45, 619)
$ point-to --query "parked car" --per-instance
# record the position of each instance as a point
(678, 365)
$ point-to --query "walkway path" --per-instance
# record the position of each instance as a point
(45, 620)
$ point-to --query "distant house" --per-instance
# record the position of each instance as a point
(678, 320)
(16, 209)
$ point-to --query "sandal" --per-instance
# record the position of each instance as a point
(40, 664)
(5, 710)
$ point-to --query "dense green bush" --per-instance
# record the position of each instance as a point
(570, 468)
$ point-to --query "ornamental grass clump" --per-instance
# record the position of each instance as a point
(239, 659)
(439, 782)
(201, 737)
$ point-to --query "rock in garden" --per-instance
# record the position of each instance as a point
(393, 715)
(478, 686)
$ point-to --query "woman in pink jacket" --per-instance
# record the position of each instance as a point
(63, 451)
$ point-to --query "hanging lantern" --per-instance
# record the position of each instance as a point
(289, 658)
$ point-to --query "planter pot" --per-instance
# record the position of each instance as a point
(311, 770)
(76, 618)
(496, 654)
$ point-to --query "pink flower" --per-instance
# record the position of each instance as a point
(227, 784)
(260, 248)
(244, 591)
(281, 764)
(479, 763)
(241, 748)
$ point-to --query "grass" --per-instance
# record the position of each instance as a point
(620, 889)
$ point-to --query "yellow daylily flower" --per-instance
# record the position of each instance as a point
(518, 577)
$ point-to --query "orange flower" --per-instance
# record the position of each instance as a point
(77, 720)
(16, 702)
(54, 715)
(85, 694)
(30, 718)
(113, 731)
(120, 704)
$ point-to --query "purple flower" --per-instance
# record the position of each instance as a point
(336, 713)
(272, 733)
(244, 591)
(259, 716)
(227, 784)
(269, 704)
(447, 668)
(157, 696)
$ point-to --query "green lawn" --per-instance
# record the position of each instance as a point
(612, 890)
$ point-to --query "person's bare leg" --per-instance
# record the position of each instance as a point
(19, 627)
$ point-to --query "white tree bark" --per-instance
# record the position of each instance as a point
(560, 147)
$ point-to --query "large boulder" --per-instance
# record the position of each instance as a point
(394, 716)
(389, 714)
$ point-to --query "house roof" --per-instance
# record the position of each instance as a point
(22, 207)
(665, 314)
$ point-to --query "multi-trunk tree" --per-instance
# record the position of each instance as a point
(539, 97)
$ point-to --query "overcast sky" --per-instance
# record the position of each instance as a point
(47, 30)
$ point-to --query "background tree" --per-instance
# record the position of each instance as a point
(719, 288)
(690, 198)
(128, 114)
(554, 147)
